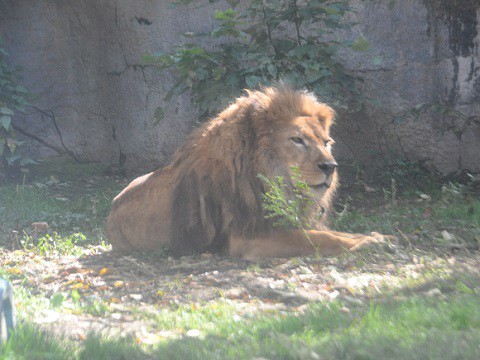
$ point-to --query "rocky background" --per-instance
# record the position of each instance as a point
(82, 60)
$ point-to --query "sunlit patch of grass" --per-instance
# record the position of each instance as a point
(95, 347)
(28, 342)
(55, 244)
(400, 328)
(393, 329)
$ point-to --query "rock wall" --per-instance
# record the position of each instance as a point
(82, 59)
(422, 52)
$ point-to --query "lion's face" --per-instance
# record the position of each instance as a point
(304, 142)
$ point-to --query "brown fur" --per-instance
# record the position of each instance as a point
(210, 198)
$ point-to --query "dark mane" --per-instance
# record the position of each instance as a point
(217, 192)
(211, 201)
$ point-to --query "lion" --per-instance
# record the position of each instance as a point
(209, 199)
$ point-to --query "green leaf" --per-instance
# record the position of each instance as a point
(284, 45)
(159, 115)
(21, 89)
(5, 122)
(75, 295)
(56, 300)
(253, 80)
(313, 74)
(272, 70)
(378, 60)
(361, 44)
(419, 107)
(228, 14)
(11, 159)
(6, 111)
(25, 161)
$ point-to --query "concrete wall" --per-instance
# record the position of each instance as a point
(82, 59)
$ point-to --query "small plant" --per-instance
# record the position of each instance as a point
(12, 99)
(453, 193)
(55, 244)
(287, 204)
(264, 43)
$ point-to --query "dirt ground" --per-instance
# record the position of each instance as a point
(133, 288)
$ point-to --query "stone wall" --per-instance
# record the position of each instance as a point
(82, 59)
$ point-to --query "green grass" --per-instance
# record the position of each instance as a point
(454, 209)
(417, 327)
(75, 200)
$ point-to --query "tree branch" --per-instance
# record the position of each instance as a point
(38, 139)
(51, 115)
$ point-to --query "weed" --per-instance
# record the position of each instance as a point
(287, 203)
(55, 245)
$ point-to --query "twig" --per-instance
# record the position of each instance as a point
(51, 115)
(297, 23)
(269, 31)
(36, 138)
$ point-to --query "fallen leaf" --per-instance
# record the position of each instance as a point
(77, 286)
(427, 213)
(48, 279)
(105, 271)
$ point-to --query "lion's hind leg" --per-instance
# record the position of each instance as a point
(119, 242)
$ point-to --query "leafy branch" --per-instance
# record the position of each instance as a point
(267, 42)
(287, 203)
(12, 99)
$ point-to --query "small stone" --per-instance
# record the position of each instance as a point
(434, 292)
(194, 333)
(235, 293)
(40, 227)
(426, 197)
(447, 236)
(116, 316)
(333, 295)
(136, 297)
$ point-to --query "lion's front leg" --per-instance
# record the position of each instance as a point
(300, 243)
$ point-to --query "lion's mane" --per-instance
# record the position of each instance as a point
(217, 192)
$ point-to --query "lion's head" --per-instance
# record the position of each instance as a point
(298, 135)
(218, 193)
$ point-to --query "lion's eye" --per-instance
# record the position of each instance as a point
(298, 140)
(327, 143)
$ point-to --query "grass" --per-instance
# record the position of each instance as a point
(410, 328)
(73, 199)
(452, 207)
(399, 323)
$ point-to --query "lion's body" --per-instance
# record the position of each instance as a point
(210, 197)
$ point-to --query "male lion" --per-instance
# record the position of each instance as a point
(210, 197)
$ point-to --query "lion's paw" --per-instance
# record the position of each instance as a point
(374, 238)
(391, 239)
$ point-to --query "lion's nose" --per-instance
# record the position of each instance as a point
(328, 167)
